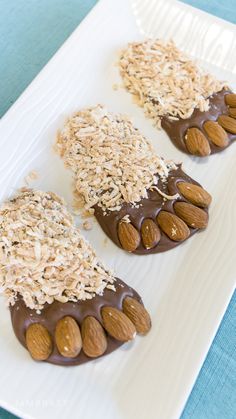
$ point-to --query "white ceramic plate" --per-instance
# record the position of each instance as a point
(187, 289)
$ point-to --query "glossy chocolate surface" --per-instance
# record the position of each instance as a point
(176, 130)
(22, 317)
(148, 208)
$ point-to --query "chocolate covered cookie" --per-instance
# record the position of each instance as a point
(66, 307)
(195, 109)
(144, 203)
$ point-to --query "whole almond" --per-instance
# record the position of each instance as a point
(68, 337)
(232, 112)
(216, 133)
(228, 123)
(117, 324)
(137, 314)
(173, 226)
(195, 194)
(128, 235)
(150, 233)
(197, 143)
(193, 216)
(93, 337)
(230, 100)
(38, 341)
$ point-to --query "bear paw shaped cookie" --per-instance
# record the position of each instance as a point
(145, 204)
(196, 110)
(66, 307)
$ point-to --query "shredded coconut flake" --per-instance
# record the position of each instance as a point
(112, 161)
(43, 256)
(33, 175)
(166, 196)
(87, 225)
(165, 81)
(126, 219)
(115, 86)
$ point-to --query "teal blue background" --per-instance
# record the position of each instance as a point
(226, 9)
(31, 31)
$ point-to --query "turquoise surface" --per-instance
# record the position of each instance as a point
(31, 31)
(225, 9)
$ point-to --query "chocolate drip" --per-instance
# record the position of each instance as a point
(22, 317)
(176, 130)
(147, 208)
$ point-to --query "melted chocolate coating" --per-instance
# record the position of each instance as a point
(22, 317)
(176, 130)
(148, 208)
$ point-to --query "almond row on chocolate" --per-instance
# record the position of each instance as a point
(197, 141)
(70, 337)
(175, 226)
